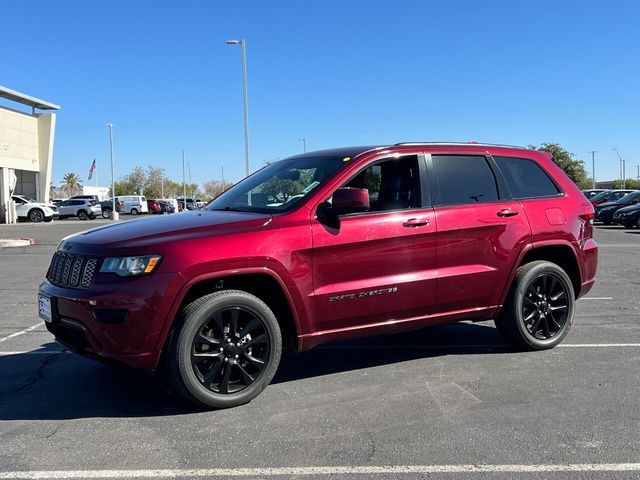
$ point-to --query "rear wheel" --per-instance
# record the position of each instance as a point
(106, 213)
(36, 215)
(538, 311)
(82, 215)
(225, 350)
(134, 211)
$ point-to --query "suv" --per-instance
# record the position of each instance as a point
(327, 246)
(83, 209)
(29, 209)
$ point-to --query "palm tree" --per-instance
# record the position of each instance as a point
(71, 183)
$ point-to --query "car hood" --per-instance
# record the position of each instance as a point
(630, 208)
(162, 230)
(609, 204)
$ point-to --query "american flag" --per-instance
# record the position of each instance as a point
(93, 167)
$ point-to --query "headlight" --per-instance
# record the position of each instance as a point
(130, 266)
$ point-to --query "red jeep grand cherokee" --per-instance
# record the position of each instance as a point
(327, 246)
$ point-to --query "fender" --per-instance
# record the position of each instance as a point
(168, 320)
(527, 248)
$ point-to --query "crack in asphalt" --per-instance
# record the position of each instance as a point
(39, 374)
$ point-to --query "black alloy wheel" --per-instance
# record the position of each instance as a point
(230, 350)
(224, 350)
(544, 306)
(538, 311)
(82, 215)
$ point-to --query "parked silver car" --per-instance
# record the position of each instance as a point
(83, 209)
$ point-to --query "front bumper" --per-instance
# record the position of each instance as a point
(116, 319)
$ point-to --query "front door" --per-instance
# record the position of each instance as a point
(377, 266)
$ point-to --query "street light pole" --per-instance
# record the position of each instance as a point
(114, 213)
(304, 144)
(184, 185)
(593, 167)
(622, 168)
(245, 101)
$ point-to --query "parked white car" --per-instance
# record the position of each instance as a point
(133, 204)
(83, 209)
(29, 209)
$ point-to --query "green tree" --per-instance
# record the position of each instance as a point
(574, 169)
(629, 184)
(71, 184)
(213, 188)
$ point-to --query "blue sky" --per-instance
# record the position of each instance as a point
(335, 72)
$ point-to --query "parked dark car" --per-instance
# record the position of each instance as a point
(166, 207)
(608, 196)
(592, 192)
(154, 206)
(328, 246)
(107, 207)
(628, 216)
(605, 211)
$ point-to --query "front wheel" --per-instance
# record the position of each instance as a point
(36, 215)
(225, 349)
(538, 311)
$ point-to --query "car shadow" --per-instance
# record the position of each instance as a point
(50, 384)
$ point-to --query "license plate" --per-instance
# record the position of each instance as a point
(44, 308)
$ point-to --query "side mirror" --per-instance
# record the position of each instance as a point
(350, 200)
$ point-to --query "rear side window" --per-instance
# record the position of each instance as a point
(526, 178)
(464, 179)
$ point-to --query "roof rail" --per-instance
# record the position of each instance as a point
(461, 143)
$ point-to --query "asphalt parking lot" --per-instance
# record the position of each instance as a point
(445, 402)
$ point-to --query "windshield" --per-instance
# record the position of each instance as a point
(279, 186)
(600, 196)
(28, 199)
(629, 197)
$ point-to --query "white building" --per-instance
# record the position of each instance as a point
(26, 148)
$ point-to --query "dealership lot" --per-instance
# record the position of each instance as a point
(451, 401)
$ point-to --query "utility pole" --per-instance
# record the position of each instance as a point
(184, 185)
(622, 168)
(593, 167)
(304, 144)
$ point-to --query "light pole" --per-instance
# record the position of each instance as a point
(222, 172)
(190, 187)
(243, 49)
(114, 213)
(184, 185)
(622, 168)
(593, 167)
(304, 144)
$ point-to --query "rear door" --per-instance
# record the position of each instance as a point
(480, 231)
(378, 266)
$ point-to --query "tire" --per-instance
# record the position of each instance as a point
(539, 309)
(215, 364)
(82, 215)
(36, 215)
(134, 211)
(106, 213)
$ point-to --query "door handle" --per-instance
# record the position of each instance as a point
(506, 212)
(415, 222)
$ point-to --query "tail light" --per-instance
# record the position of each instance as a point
(587, 215)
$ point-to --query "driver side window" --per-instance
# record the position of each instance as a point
(393, 184)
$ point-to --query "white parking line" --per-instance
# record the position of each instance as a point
(21, 332)
(322, 471)
(387, 347)
(596, 298)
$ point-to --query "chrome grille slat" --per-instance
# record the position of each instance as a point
(70, 270)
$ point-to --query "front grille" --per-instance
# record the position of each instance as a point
(69, 270)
